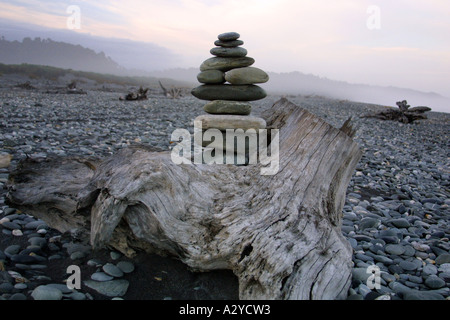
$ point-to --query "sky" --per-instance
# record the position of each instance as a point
(390, 43)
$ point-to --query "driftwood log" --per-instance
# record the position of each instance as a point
(403, 114)
(140, 94)
(280, 234)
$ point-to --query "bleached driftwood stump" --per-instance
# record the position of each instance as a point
(279, 234)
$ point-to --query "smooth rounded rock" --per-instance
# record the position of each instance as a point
(229, 92)
(229, 44)
(434, 282)
(224, 121)
(228, 36)
(10, 225)
(126, 266)
(112, 270)
(225, 64)
(113, 288)
(101, 276)
(227, 107)
(46, 293)
(407, 265)
(400, 223)
(246, 75)
(395, 249)
(211, 77)
(443, 258)
(228, 52)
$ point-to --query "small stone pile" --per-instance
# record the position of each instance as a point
(228, 81)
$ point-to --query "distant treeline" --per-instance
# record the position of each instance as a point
(57, 54)
(52, 73)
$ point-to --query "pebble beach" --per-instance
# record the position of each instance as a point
(396, 215)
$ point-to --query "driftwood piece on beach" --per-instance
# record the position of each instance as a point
(280, 234)
(403, 114)
(140, 94)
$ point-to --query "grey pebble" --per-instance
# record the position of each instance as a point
(126, 266)
(46, 293)
(101, 276)
(112, 270)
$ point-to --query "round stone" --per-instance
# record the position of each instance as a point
(434, 282)
(400, 223)
(46, 293)
(407, 265)
(228, 36)
(247, 75)
(225, 121)
(229, 92)
(368, 222)
(228, 52)
(112, 270)
(17, 232)
(225, 64)
(18, 296)
(126, 266)
(211, 77)
(227, 107)
(229, 44)
(12, 250)
(395, 249)
(443, 258)
(113, 288)
(10, 225)
(38, 241)
(101, 276)
(430, 269)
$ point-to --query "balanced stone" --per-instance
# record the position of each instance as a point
(228, 36)
(225, 64)
(224, 121)
(227, 107)
(229, 92)
(229, 52)
(247, 75)
(211, 77)
(229, 44)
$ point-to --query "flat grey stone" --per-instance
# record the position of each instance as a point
(101, 276)
(229, 44)
(113, 288)
(229, 92)
(112, 270)
(228, 107)
(211, 77)
(443, 258)
(225, 64)
(400, 223)
(226, 121)
(46, 293)
(229, 52)
(228, 36)
(434, 282)
(126, 266)
(247, 75)
(395, 249)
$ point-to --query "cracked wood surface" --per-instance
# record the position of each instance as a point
(279, 234)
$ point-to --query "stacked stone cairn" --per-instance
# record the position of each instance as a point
(228, 82)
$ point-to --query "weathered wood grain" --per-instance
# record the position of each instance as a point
(280, 234)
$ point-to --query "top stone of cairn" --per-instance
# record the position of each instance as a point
(229, 36)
